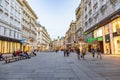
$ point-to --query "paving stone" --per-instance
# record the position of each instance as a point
(52, 66)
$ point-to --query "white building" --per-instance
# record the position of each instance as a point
(43, 38)
(18, 29)
(10, 26)
(29, 27)
(102, 21)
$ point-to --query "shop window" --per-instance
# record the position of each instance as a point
(106, 29)
(0, 46)
(117, 28)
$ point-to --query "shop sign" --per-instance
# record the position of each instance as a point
(90, 40)
(100, 39)
(22, 40)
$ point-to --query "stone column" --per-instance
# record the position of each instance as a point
(111, 39)
(104, 43)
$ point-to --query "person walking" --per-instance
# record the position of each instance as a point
(83, 53)
(78, 53)
(64, 52)
(93, 52)
(99, 53)
(67, 52)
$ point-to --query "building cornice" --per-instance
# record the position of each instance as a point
(28, 6)
(20, 2)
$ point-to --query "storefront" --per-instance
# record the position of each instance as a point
(110, 33)
(116, 35)
(8, 45)
(98, 34)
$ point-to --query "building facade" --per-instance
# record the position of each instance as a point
(80, 20)
(28, 27)
(58, 44)
(10, 26)
(80, 26)
(102, 25)
(70, 36)
(43, 38)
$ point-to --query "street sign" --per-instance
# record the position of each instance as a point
(22, 40)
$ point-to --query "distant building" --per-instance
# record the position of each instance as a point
(58, 44)
(70, 36)
(43, 38)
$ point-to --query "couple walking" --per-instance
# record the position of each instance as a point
(81, 54)
(98, 52)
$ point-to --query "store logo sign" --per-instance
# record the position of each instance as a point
(22, 40)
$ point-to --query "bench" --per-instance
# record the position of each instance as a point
(9, 59)
(13, 59)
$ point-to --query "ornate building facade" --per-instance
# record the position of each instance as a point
(10, 26)
(43, 38)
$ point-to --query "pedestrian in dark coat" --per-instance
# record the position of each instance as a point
(99, 54)
(78, 53)
(93, 52)
(83, 53)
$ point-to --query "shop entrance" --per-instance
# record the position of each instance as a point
(100, 45)
(108, 48)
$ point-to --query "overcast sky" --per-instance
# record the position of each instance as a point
(55, 15)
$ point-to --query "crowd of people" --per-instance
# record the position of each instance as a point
(81, 53)
(19, 53)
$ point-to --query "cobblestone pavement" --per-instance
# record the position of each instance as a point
(54, 66)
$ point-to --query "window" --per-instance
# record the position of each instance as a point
(17, 35)
(10, 33)
(116, 25)
(5, 31)
(95, 6)
(90, 12)
(86, 17)
(14, 34)
(89, 4)
(85, 9)
(106, 29)
(6, 5)
(1, 14)
(1, 3)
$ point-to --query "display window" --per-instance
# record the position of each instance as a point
(0, 46)
(117, 45)
(106, 29)
(116, 25)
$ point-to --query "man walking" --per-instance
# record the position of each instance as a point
(93, 53)
(99, 53)
(78, 53)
